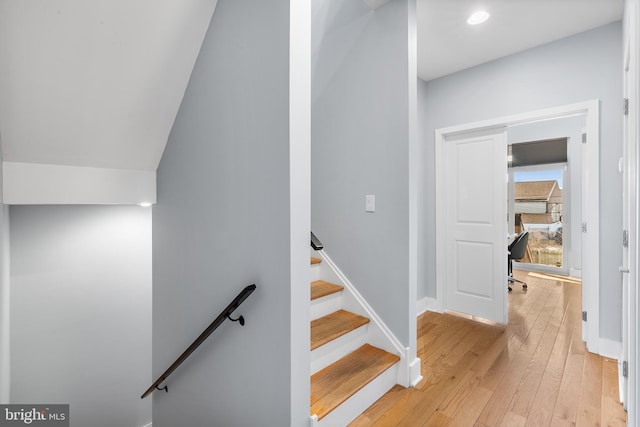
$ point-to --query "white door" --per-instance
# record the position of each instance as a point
(476, 224)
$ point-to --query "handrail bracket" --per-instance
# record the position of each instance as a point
(239, 319)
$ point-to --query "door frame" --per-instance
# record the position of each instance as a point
(629, 348)
(590, 215)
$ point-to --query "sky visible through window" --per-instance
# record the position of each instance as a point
(543, 175)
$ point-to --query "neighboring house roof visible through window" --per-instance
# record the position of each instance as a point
(536, 191)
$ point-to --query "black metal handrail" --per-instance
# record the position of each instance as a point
(316, 243)
(225, 314)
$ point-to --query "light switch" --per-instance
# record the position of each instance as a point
(370, 203)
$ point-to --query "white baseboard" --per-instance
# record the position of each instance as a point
(609, 348)
(415, 375)
(622, 391)
(422, 305)
(429, 304)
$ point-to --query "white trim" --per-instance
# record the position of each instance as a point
(148, 425)
(610, 348)
(45, 184)
(415, 375)
(423, 305)
(414, 167)
(591, 267)
(634, 353)
(429, 304)
(379, 333)
(574, 272)
(299, 207)
(629, 349)
(621, 385)
(539, 268)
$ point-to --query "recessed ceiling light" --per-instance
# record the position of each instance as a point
(478, 17)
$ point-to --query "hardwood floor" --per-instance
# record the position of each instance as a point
(536, 372)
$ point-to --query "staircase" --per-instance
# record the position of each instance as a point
(348, 373)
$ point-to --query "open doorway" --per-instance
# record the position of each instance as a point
(538, 207)
(583, 163)
(545, 193)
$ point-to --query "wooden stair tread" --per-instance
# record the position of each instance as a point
(334, 384)
(334, 325)
(320, 289)
(315, 260)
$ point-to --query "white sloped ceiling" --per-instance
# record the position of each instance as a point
(95, 83)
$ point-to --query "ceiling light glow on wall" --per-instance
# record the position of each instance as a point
(478, 17)
(145, 204)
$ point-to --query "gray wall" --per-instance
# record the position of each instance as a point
(81, 311)
(5, 354)
(360, 146)
(223, 222)
(579, 68)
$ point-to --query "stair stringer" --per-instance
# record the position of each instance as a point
(378, 334)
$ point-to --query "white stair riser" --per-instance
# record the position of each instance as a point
(336, 349)
(326, 305)
(315, 272)
(359, 402)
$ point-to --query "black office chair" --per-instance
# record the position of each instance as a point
(517, 250)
